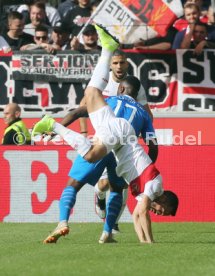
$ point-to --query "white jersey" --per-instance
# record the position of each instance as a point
(133, 163)
(131, 154)
(112, 88)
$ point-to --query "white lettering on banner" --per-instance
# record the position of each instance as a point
(22, 185)
(154, 74)
(196, 79)
(6, 85)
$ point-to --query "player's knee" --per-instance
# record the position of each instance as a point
(103, 185)
(95, 154)
(74, 183)
(90, 157)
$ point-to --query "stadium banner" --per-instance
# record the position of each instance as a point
(65, 66)
(196, 81)
(180, 131)
(33, 178)
(160, 74)
(134, 21)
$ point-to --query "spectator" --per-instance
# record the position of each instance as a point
(196, 38)
(182, 23)
(7, 6)
(78, 16)
(65, 7)
(90, 40)
(24, 10)
(61, 36)
(15, 36)
(41, 41)
(191, 14)
(158, 43)
(211, 23)
(52, 14)
(16, 132)
(37, 17)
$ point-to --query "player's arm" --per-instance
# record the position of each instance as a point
(144, 218)
(83, 121)
(152, 149)
(137, 225)
(149, 137)
(74, 115)
(148, 109)
(141, 98)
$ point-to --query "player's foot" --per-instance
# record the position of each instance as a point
(107, 41)
(61, 230)
(100, 207)
(115, 229)
(44, 125)
(106, 238)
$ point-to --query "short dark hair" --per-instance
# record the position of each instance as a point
(39, 5)
(118, 52)
(41, 28)
(15, 15)
(134, 83)
(171, 201)
(199, 23)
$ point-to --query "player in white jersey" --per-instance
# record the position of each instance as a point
(119, 67)
(118, 135)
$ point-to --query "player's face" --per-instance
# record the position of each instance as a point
(160, 210)
(119, 67)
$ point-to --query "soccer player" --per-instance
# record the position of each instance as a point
(83, 172)
(117, 135)
(119, 68)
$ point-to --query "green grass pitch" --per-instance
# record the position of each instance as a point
(186, 249)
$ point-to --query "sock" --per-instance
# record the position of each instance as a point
(80, 143)
(124, 200)
(67, 202)
(100, 75)
(113, 208)
(99, 193)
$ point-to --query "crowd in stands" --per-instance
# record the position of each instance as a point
(35, 24)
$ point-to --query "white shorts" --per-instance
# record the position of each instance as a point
(104, 174)
(113, 132)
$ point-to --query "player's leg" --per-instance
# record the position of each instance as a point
(124, 200)
(99, 80)
(113, 208)
(114, 203)
(100, 195)
(67, 202)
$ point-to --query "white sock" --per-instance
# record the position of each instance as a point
(100, 75)
(99, 193)
(80, 143)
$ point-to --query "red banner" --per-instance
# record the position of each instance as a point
(33, 177)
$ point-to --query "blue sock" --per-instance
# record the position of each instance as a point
(67, 202)
(113, 209)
